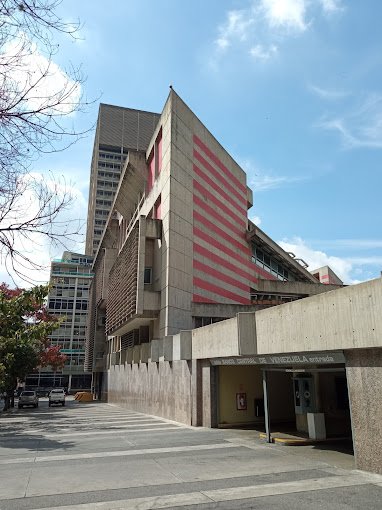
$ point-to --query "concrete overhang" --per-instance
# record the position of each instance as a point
(135, 322)
(257, 235)
(232, 337)
(293, 288)
(346, 318)
(132, 184)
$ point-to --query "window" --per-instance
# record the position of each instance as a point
(151, 174)
(206, 321)
(158, 150)
(147, 279)
(269, 263)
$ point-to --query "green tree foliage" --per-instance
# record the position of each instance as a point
(24, 329)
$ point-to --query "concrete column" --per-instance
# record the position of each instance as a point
(209, 395)
(196, 393)
(364, 377)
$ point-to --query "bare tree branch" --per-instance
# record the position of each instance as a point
(37, 99)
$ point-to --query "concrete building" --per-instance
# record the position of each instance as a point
(184, 320)
(178, 250)
(118, 131)
(70, 279)
(326, 275)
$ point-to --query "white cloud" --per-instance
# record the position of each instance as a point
(351, 269)
(361, 127)
(260, 181)
(36, 246)
(328, 94)
(264, 24)
(331, 6)
(267, 182)
(255, 219)
(369, 260)
(235, 28)
(351, 244)
(289, 14)
(39, 78)
(317, 258)
(258, 52)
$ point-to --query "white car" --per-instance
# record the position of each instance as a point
(57, 396)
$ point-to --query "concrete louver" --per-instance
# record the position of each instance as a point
(132, 184)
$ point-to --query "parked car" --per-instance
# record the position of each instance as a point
(57, 396)
(28, 398)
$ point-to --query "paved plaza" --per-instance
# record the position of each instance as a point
(98, 456)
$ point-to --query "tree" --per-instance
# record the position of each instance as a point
(24, 329)
(37, 99)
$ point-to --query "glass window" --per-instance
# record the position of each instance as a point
(148, 275)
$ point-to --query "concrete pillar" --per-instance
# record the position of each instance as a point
(209, 395)
(196, 393)
(364, 377)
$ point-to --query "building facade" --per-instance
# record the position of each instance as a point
(68, 298)
(326, 275)
(118, 131)
(183, 283)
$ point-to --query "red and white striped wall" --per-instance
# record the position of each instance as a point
(222, 267)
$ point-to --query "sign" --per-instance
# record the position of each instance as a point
(241, 401)
(305, 358)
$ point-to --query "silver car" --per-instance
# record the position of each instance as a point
(28, 398)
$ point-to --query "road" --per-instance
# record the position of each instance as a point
(100, 457)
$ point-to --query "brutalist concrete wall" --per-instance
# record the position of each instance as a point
(364, 375)
(162, 389)
(346, 318)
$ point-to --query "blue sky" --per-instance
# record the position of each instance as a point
(291, 88)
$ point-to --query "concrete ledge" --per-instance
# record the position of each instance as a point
(300, 441)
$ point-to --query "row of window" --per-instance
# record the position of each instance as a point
(259, 297)
(71, 286)
(109, 165)
(102, 212)
(107, 184)
(105, 193)
(74, 360)
(70, 270)
(110, 175)
(65, 343)
(69, 293)
(80, 317)
(83, 261)
(68, 282)
(100, 222)
(270, 264)
(65, 304)
(107, 203)
(66, 329)
(116, 157)
(206, 321)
